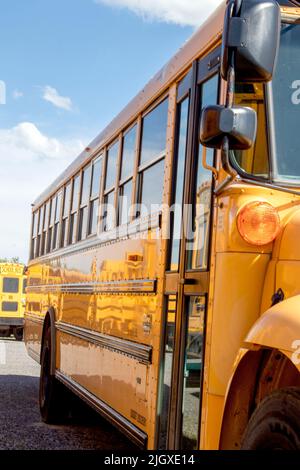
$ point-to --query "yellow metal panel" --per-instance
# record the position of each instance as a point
(278, 327)
(286, 274)
(116, 379)
(290, 247)
(236, 306)
(269, 286)
(211, 427)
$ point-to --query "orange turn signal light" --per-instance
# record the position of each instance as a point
(258, 223)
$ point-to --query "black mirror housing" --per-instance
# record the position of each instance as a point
(252, 33)
(238, 124)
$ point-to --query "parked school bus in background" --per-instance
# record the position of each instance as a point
(187, 341)
(12, 297)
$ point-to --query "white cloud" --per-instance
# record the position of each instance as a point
(26, 141)
(17, 94)
(30, 161)
(183, 12)
(52, 95)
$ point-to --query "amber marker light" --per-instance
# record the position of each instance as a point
(258, 223)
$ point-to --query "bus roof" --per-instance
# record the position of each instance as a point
(208, 34)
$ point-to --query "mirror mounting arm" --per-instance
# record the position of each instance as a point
(229, 104)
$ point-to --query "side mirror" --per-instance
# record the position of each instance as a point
(252, 34)
(238, 124)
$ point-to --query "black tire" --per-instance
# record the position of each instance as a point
(275, 424)
(53, 396)
(18, 334)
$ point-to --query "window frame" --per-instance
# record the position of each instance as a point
(93, 198)
(64, 231)
(34, 228)
(142, 168)
(113, 189)
(39, 231)
(55, 243)
(45, 227)
(84, 204)
(51, 224)
(73, 223)
(131, 177)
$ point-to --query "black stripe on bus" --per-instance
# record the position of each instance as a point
(138, 351)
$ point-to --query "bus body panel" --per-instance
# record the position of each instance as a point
(278, 327)
(99, 333)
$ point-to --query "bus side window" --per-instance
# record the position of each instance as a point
(51, 223)
(55, 243)
(126, 175)
(94, 196)
(34, 233)
(39, 234)
(45, 228)
(65, 215)
(74, 209)
(84, 199)
(109, 221)
(153, 151)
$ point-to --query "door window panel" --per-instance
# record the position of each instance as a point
(183, 116)
(198, 243)
(167, 371)
(193, 365)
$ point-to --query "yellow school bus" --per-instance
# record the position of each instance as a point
(178, 319)
(12, 296)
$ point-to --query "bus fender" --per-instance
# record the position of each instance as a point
(279, 328)
(50, 320)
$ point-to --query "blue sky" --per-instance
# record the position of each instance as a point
(69, 67)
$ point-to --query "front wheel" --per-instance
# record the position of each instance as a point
(275, 424)
(52, 393)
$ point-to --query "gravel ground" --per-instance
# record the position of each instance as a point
(20, 423)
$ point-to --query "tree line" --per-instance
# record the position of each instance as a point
(14, 259)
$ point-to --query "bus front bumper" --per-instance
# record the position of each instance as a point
(11, 321)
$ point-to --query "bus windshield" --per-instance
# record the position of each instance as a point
(286, 96)
(284, 113)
